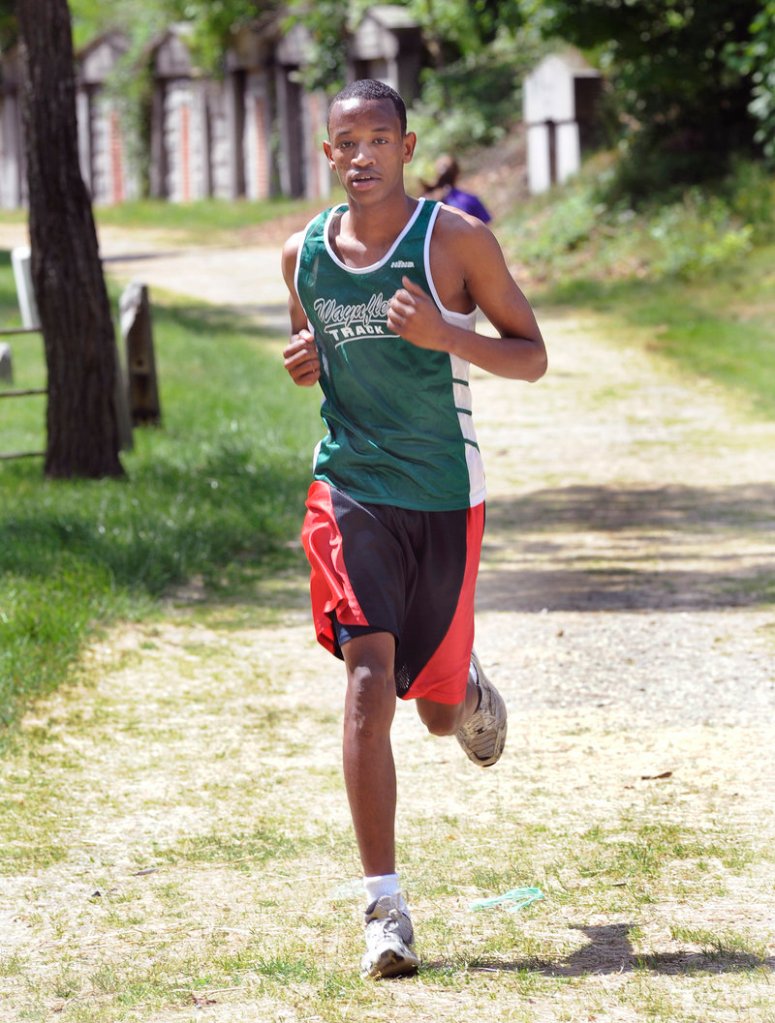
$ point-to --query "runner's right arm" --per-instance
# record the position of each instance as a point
(300, 354)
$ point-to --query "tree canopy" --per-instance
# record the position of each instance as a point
(686, 77)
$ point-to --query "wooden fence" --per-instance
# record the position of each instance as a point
(23, 392)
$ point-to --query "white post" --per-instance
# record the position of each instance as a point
(6, 362)
(568, 150)
(539, 174)
(22, 272)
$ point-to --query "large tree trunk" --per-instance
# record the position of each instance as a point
(72, 299)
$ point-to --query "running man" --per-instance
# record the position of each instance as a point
(383, 297)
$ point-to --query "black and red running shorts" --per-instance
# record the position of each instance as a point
(378, 568)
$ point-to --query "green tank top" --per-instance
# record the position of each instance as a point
(400, 429)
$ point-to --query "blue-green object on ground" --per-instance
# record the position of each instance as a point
(512, 900)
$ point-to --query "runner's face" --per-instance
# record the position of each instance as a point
(366, 148)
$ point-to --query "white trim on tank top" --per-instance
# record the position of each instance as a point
(465, 320)
(381, 262)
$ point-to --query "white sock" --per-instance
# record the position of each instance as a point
(383, 884)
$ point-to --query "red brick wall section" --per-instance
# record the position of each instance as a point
(116, 159)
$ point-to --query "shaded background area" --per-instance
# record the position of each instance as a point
(598, 548)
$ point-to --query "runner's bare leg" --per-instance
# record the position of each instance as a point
(369, 769)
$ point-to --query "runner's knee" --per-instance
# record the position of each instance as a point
(440, 718)
(371, 701)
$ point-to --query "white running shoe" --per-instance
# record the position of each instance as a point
(483, 736)
(389, 940)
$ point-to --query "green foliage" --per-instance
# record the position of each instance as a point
(696, 272)
(695, 235)
(326, 21)
(755, 59)
(8, 31)
(473, 100)
(458, 35)
(464, 28)
(561, 227)
(685, 104)
(750, 192)
(578, 231)
(213, 23)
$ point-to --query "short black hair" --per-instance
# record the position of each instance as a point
(371, 88)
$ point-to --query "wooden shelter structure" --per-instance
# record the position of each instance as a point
(13, 178)
(387, 45)
(560, 111)
(103, 147)
(253, 132)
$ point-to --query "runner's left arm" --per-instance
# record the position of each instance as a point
(519, 352)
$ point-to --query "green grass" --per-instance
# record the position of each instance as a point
(206, 220)
(176, 766)
(215, 493)
(720, 327)
(696, 278)
(201, 221)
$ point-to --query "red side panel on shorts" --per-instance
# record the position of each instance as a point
(445, 676)
(330, 588)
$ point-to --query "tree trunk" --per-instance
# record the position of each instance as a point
(82, 431)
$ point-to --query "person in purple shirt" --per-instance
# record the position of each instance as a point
(447, 171)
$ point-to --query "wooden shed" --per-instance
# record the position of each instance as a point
(13, 175)
(387, 45)
(560, 110)
(213, 137)
(103, 148)
(301, 121)
(254, 132)
(180, 145)
(250, 111)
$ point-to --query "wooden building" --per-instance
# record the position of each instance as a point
(103, 144)
(560, 111)
(387, 45)
(13, 175)
(250, 114)
(253, 132)
(181, 166)
(301, 120)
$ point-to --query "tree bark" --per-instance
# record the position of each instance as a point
(78, 333)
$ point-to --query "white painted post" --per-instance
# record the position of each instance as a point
(22, 272)
(539, 174)
(568, 150)
(6, 363)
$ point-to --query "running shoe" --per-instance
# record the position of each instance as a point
(389, 940)
(483, 736)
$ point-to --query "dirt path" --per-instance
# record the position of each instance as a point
(178, 818)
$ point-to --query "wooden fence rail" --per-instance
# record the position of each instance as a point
(22, 392)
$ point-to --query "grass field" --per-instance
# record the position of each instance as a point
(174, 837)
(178, 857)
(206, 221)
(101, 549)
(213, 494)
(720, 327)
(175, 841)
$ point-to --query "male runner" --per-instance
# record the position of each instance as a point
(383, 298)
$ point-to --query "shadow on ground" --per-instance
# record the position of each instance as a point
(610, 951)
(602, 548)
